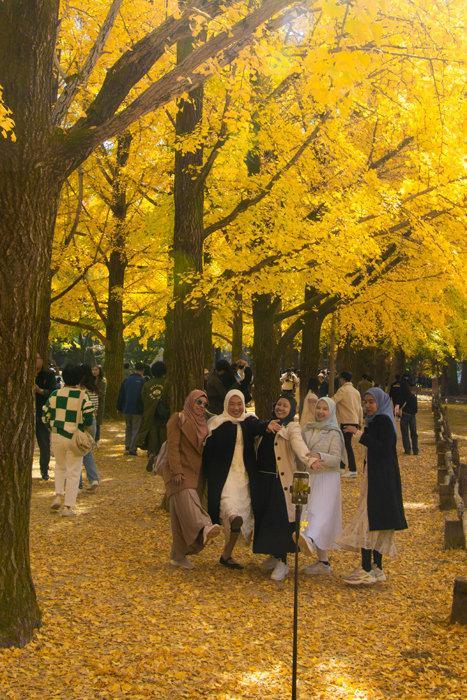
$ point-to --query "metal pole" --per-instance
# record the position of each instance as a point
(298, 512)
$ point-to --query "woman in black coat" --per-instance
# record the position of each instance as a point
(380, 509)
(229, 469)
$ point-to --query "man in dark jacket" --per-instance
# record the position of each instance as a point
(44, 385)
(130, 404)
(408, 410)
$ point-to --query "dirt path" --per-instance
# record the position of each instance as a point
(120, 622)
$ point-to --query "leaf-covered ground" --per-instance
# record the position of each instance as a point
(120, 622)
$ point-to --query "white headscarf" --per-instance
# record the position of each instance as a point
(216, 421)
(311, 430)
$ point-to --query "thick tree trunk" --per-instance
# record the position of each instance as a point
(463, 385)
(29, 194)
(309, 354)
(332, 356)
(186, 359)
(266, 354)
(237, 328)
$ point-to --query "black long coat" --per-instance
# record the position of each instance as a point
(384, 504)
(217, 458)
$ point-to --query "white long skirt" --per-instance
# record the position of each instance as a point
(235, 497)
(323, 513)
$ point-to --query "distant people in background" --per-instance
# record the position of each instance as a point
(147, 371)
(380, 509)
(323, 389)
(205, 377)
(130, 405)
(156, 413)
(88, 383)
(309, 402)
(45, 384)
(364, 384)
(395, 391)
(220, 381)
(408, 410)
(58, 375)
(245, 379)
(349, 413)
(65, 411)
(192, 527)
(289, 383)
(101, 386)
(127, 369)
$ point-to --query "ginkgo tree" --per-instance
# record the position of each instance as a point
(54, 136)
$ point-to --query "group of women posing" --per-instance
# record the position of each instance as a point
(248, 466)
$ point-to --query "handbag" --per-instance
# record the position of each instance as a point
(161, 457)
(82, 442)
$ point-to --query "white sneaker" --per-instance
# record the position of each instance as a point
(349, 475)
(305, 546)
(269, 564)
(92, 486)
(209, 532)
(378, 574)
(280, 571)
(185, 563)
(364, 578)
(318, 568)
(67, 512)
(56, 503)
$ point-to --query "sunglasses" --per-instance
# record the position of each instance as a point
(200, 402)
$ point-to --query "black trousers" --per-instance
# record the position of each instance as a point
(43, 440)
(348, 447)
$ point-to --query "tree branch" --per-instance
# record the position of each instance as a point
(83, 326)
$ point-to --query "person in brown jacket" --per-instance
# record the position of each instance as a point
(191, 526)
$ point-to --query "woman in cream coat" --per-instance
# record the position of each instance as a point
(273, 508)
(323, 515)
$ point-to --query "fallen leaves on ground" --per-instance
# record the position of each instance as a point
(120, 622)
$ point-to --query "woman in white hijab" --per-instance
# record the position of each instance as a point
(229, 468)
(323, 515)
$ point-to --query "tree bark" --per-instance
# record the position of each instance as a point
(309, 354)
(237, 328)
(188, 321)
(266, 354)
(29, 195)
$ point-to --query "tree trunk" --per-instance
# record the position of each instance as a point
(463, 385)
(332, 356)
(29, 195)
(186, 359)
(309, 355)
(266, 354)
(237, 328)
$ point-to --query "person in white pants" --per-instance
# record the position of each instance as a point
(65, 411)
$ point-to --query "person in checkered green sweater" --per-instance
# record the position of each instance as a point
(66, 410)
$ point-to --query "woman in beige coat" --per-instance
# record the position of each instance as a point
(191, 525)
(272, 506)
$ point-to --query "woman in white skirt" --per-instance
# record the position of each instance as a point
(229, 468)
(323, 515)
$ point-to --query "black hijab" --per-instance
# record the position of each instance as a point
(293, 410)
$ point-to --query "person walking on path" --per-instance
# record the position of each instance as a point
(130, 404)
(408, 411)
(88, 384)
(221, 380)
(156, 412)
(380, 509)
(349, 413)
(45, 384)
(229, 469)
(309, 402)
(192, 527)
(101, 386)
(323, 514)
(274, 512)
(65, 411)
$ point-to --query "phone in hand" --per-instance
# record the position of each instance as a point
(300, 488)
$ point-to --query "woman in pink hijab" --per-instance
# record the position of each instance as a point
(191, 526)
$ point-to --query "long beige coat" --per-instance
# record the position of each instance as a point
(290, 451)
(183, 455)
